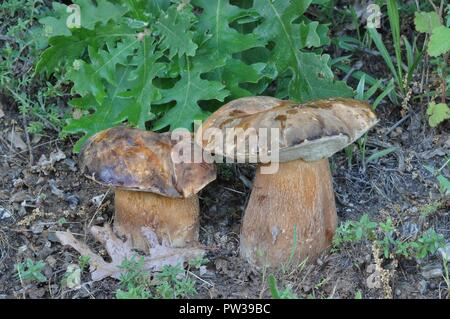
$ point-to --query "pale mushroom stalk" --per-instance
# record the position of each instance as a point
(297, 199)
(291, 214)
(175, 220)
(151, 190)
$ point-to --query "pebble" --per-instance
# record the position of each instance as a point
(4, 213)
(422, 286)
(72, 200)
(445, 252)
(432, 272)
(71, 165)
(37, 228)
(398, 292)
(409, 229)
(51, 261)
(52, 237)
(22, 249)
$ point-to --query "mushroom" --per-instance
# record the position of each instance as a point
(292, 210)
(151, 189)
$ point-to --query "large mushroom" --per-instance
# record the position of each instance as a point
(151, 189)
(299, 197)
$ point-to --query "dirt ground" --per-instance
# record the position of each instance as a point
(35, 194)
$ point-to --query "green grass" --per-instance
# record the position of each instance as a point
(30, 271)
(385, 235)
(23, 41)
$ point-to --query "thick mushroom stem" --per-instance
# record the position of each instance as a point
(298, 197)
(175, 220)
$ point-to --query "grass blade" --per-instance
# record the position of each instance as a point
(380, 154)
(376, 37)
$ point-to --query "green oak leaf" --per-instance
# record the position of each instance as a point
(103, 12)
(65, 49)
(437, 113)
(311, 76)
(57, 24)
(128, 96)
(142, 90)
(215, 20)
(426, 22)
(224, 41)
(189, 90)
(86, 80)
(236, 72)
(439, 41)
(174, 29)
(90, 14)
(105, 62)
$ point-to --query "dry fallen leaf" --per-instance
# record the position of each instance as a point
(119, 250)
(16, 141)
(374, 280)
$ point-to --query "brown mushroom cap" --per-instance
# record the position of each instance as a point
(309, 131)
(140, 160)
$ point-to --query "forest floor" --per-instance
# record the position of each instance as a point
(43, 191)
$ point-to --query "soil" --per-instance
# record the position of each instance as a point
(36, 200)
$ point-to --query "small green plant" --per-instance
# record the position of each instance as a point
(438, 47)
(430, 209)
(133, 293)
(134, 281)
(355, 231)
(427, 244)
(30, 271)
(384, 234)
(197, 262)
(358, 295)
(444, 183)
(173, 283)
(83, 261)
(286, 293)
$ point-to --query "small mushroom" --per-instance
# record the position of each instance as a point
(299, 196)
(151, 189)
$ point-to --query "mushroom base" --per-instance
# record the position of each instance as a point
(300, 198)
(174, 220)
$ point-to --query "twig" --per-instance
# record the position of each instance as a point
(393, 127)
(27, 139)
(98, 208)
(199, 278)
(233, 190)
(7, 38)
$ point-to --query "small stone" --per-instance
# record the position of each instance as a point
(398, 292)
(52, 237)
(71, 165)
(72, 200)
(432, 272)
(51, 261)
(445, 252)
(37, 228)
(18, 182)
(422, 286)
(22, 249)
(409, 229)
(97, 200)
(4, 213)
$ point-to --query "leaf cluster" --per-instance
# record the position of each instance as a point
(163, 64)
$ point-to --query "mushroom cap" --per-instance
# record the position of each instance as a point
(308, 131)
(140, 160)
